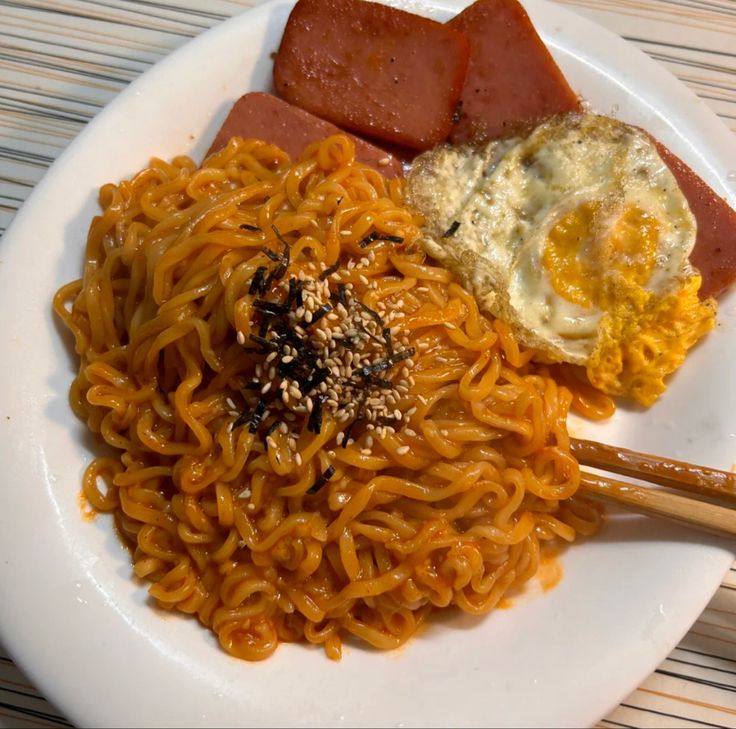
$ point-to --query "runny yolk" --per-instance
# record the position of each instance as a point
(583, 250)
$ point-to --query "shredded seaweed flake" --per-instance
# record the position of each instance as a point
(242, 419)
(266, 344)
(314, 425)
(373, 237)
(452, 229)
(372, 314)
(255, 419)
(329, 271)
(275, 257)
(388, 340)
(322, 479)
(253, 228)
(319, 313)
(257, 284)
(401, 356)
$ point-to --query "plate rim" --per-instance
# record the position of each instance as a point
(38, 674)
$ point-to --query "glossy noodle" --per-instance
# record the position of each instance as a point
(264, 526)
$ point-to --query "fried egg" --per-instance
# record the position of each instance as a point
(578, 236)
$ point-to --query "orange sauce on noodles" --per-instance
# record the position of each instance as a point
(452, 507)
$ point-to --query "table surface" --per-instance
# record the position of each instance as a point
(61, 61)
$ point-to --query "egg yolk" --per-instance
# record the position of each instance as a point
(643, 336)
(582, 252)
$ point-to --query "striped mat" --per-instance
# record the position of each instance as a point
(61, 61)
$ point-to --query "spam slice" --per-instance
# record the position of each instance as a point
(512, 80)
(264, 116)
(714, 254)
(373, 69)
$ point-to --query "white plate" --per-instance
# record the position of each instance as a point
(79, 625)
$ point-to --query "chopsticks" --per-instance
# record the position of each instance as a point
(698, 480)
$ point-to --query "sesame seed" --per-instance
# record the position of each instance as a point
(298, 459)
(266, 388)
(449, 325)
(410, 432)
(270, 442)
(366, 451)
(403, 450)
(363, 280)
(292, 443)
(384, 161)
(271, 357)
(344, 232)
(310, 404)
(287, 359)
(444, 432)
(241, 338)
(369, 441)
(283, 429)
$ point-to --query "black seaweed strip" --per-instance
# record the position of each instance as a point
(401, 356)
(272, 427)
(242, 419)
(452, 229)
(389, 341)
(265, 343)
(255, 420)
(322, 480)
(275, 257)
(373, 314)
(257, 283)
(270, 307)
(314, 424)
(319, 313)
(329, 271)
(253, 228)
(342, 295)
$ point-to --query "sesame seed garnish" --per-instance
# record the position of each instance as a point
(298, 459)
(241, 338)
(384, 161)
(403, 450)
(410, 432)
(449, 325)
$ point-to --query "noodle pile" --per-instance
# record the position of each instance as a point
(327, 536)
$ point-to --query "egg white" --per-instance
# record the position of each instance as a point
(514, 193)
